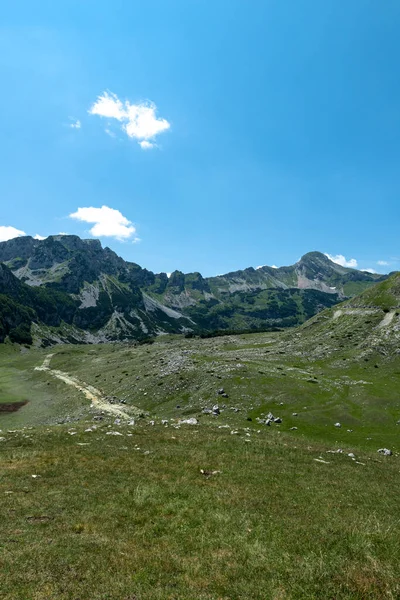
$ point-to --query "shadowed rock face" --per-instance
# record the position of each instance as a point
(104, 294)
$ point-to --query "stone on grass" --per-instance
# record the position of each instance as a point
(277, 420)
(337, 425)
(191, 421)
(385, 451)
(215, 409)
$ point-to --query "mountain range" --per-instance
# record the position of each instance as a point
(67, 289)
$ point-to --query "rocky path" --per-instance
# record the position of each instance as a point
(94, 395)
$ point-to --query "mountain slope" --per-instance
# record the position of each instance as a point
(104, 297)
(357, 329)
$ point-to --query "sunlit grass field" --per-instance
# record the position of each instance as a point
(123, 511)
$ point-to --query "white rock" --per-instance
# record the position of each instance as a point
(385, 451)
(191, 421)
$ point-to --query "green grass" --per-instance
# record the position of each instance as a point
(132, 517)
(107, 521)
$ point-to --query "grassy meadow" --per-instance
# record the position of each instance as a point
(93, 509)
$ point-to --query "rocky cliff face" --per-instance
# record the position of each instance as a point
(102, 297)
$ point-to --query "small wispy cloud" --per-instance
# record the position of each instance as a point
(110, 133)
(8, 233)
(107, 222)
(145, 145)
(261, 266)
(76, 124)
(39, 237)
(138, 121)
(383, 263)
(369, 270)
(341, 260)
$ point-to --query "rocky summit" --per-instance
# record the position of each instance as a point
(66, 289)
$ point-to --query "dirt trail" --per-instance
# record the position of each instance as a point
(94, 395)
(354, 311)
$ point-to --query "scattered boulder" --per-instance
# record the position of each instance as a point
(207, 411)
(209, 473)
(191, 421)
(215, 409)
(220, 391)
(294, 414)
(293, 428)
(385, 451)
(337, 425)
(277, 420)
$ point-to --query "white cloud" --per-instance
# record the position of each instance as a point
(169, 275)
(369, 271)
(260, 267)
(274, 267)
(8, 233)
(39, 237)
(145, 145)
(383, 263)
(108, 222)
(139, 121)
(76, 124)
(339, 259)
(109, 105)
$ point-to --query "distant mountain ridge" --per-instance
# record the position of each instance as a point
(112, 299)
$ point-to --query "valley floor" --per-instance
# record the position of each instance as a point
(135, 505)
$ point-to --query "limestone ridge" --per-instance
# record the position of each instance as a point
(82, 292)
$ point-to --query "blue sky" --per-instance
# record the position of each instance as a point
(236, 133)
